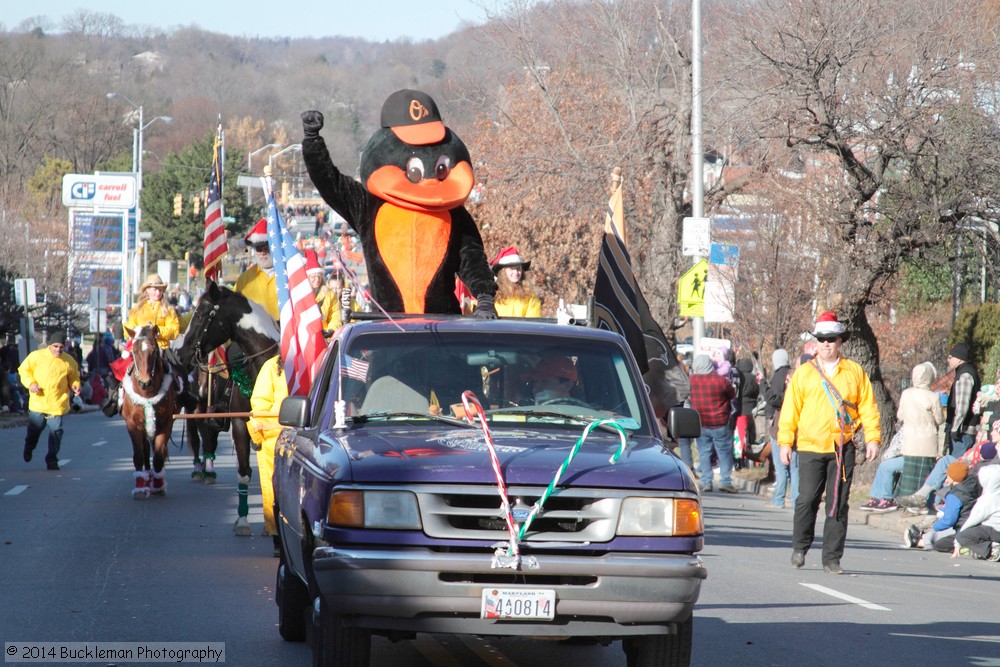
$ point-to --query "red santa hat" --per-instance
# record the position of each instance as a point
(258, 234)
(509, 257)
(827, 324)
(312, 263)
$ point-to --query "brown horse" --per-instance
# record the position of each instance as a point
(148, 410)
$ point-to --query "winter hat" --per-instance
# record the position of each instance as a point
(960, 351)
(827, 324)
(958, 471)
(509, 257)
(413, 117)
(312, 263)
(57, 338)
(988, 451)
(553, 365)
(702, 365)
(257, 236)
(779, 358)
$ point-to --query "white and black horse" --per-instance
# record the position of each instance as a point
(223, 315)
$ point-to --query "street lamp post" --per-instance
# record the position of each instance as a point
(270, 159)
(250, 167)
(130, 276)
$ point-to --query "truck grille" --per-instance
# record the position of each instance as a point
(570, 515)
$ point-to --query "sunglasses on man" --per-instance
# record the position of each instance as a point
(827, 339)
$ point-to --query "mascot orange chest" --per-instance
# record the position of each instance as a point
(416, 234)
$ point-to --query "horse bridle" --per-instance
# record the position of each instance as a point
(202, 361)
(156, 352)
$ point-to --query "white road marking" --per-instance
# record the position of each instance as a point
(846, 598)
(99, 443)
(486, 651)
(989, 639)
(16, 490)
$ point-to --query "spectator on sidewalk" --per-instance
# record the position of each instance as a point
(921, 414)
(827, 402)
(711, 396)
(880, 496)
(786, 477)
(961, 419)
(747, 393)
(981, 454)
(980, 533)
(955, 506)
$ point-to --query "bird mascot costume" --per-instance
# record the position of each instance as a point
(408, 209)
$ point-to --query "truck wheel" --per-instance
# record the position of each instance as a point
(661, 650)
(292, 597)
(336, 645)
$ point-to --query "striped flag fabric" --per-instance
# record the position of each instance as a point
(302, 342)
(619, 306)
(216, 243)
(353, 367)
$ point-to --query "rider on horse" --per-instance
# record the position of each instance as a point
(150, 309)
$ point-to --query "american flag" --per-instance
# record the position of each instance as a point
(216, 243)
(353, 367)
(302, 342)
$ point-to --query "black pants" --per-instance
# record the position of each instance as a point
(818, 472)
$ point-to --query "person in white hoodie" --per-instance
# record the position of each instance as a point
(980, 534)
(921, 414)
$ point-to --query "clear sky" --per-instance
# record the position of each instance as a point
(376, 20)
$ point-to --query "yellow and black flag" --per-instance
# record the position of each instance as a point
(620, 307)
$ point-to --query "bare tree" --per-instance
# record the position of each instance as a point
(886, 96)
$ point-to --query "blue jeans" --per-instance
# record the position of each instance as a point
(684, 444)
(935, 479)
(885, 478)
(786, 478)
(37, 422)
(960, 446)
(721, 439)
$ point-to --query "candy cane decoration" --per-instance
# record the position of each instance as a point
(565, 464)
(470, 401)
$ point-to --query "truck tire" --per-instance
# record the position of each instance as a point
(336, 645)
(661, 650)
(292, 597)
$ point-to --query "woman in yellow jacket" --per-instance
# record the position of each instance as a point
(514, 298)
(265, 401)
(328, 300)
(152, 309)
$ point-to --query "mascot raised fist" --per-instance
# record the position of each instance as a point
(408, 208)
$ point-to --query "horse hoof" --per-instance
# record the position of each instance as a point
(197, 476)
(209, 478)
(140, 494)
(242, 527)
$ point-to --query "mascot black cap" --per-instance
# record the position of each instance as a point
(413, 117)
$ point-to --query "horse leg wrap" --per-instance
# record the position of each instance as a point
(160, 482)
(198, 473)
(141, 490)
(210, 469)
(243, 489)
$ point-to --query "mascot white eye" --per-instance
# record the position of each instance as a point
(414, 170)
(442, 168)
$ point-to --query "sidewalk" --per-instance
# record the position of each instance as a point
(895, 522)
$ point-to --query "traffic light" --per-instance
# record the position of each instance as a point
(178, 205)
(196, 204)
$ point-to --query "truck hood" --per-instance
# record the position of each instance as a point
(389, 454)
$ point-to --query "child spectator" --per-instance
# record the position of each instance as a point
(980, 533)
(954, 504)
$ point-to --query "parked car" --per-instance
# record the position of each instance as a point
(394, 521)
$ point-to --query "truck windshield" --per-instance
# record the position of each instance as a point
(517, 379)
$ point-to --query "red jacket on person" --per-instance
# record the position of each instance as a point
(710, 396)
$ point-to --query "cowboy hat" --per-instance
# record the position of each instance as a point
(509, 257)
(153, 280)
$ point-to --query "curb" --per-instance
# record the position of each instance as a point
(896, 521)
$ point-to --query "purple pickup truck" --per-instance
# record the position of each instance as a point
(556, 512)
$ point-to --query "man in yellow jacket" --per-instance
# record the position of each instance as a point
(257, 282)
(50, 376)
(269, 391)
(827, 402)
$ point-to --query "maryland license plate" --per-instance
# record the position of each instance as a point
(518, 604)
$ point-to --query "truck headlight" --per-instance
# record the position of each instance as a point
(392, 510)
(660, 517)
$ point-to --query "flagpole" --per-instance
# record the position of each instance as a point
(697, 156)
